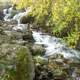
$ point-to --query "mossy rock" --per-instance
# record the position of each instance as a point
(1, 15)
(37, 49)
(24, 67)
(27, 19)
(17, 63)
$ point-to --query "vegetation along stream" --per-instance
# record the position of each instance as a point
(40, 40)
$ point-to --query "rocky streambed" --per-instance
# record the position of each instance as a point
(53, 59)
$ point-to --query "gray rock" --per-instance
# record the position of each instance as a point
(78, 44)
(37, 49)
(1, 15)
(28, 37)
(26, 19)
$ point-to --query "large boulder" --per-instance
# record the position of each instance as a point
(26, 19)
(28, 37)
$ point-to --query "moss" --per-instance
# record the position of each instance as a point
(24, 66)
(17, 63)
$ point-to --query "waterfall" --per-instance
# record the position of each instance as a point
(21, 14)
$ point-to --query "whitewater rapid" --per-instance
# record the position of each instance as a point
(51, 44)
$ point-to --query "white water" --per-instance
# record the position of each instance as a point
(21, 14)
(54, 45)
(51, 44)
(8, 13)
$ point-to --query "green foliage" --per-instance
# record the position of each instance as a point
(41, 10)
(72, 37)
(63, 12)
(22, 3)
(62, 15)
(66, 17)
(24, 67)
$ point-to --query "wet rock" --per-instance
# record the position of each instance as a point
(26, 19)
(56, 56)
(1, 15)
(43, 73)
(64, 69)
(10, 36)
(20, 28)
(1, 22)
(7, 25)
(39, 60)
(19, 42)
(16, 35)
(37, 49)
(13, 22)
(28, 36)
(4, 38)
(2, 31)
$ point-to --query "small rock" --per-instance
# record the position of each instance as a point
(1, 15)
(20, 27)
(37, 49)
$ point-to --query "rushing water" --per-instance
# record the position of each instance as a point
(17, 16)
(54, 45)
(21, 14)
(51, 44)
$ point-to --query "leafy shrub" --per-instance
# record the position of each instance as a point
(22, 3)
(66, 17)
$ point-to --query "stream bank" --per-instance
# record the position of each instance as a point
(53, 59)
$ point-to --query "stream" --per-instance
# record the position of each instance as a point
(51, 44)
